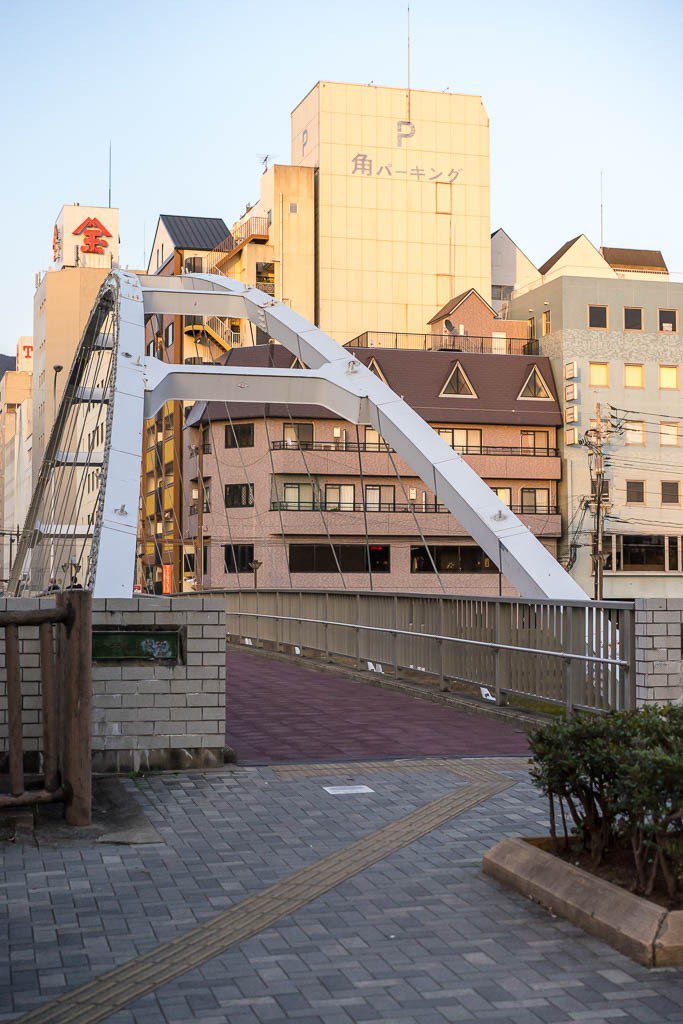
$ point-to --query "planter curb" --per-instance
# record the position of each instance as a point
(642, 930)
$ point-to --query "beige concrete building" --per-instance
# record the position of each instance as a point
(383, 215)
(610, 322)
(85, 246)
(15, 411)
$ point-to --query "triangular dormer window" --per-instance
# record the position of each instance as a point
(374, 366)
(458, 385)
(535, 386)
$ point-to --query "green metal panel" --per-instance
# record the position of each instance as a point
(130, 645)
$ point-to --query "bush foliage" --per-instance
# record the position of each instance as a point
(618, 780)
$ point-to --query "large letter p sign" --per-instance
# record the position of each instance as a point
(404, 130)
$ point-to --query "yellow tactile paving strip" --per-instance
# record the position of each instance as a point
(116, 989)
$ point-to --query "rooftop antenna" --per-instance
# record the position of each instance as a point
(602, 213)
(265, 159)
(409, 62)
(109, 204)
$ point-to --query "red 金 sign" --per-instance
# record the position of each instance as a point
(167, 579)
(95, 236)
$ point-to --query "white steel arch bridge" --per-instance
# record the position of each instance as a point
(82, 524)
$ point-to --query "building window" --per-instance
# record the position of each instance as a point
(168, 336)
(450, 558)
(597, 318)
(571, 414)
(380, 497)
(461, 439)
(532, 327)
(347, 558)
(634, 375)
(236, 557)
(598, 375)
(668, 378)
(536, 441)
(668, 320)
(634, 432)
(571, 370)
(545, 322)
(605, 490)
(298, 435)
(298, 497)
(571, 435)
(635, 492)
(535, 500)
(340, 497)
(633, 318)
(670, 492)
(504, 493)
(673, 564)
(193, 265)
(571, 392)
(458, 384)
(239, 435)
(239, 495)
(501, 292)
(373, 441)
(669, 434)
(642, 553)
(293, 208)
(535, 387)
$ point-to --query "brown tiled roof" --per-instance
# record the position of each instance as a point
(453, 304)
(558, 255)
(635, 259)
(419, 377)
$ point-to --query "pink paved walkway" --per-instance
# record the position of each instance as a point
(283, 711)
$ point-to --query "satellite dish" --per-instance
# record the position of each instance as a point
(449, 327)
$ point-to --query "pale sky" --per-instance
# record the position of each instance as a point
(192, 94)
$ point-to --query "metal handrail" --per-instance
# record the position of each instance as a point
(381, 446)
(492, 645)
(483, 344)
(321, 505)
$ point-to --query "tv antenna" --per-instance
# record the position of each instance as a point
(266, 159)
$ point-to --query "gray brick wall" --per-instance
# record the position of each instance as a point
(659, 655)
(145, 716)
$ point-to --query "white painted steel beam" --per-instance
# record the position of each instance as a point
(79, 459)
(346, 386)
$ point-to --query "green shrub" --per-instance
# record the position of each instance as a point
(620, 778)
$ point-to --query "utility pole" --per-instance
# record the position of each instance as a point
(595, 443)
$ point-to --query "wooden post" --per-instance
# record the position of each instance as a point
(49, 702)
(78, 709)
(16, 746)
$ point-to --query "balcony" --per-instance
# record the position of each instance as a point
(336, 457)
(266, 286)
(445, 342)
(381, 446)
(320, 505)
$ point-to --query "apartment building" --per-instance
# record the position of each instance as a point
(382, 215)
(609, 321)
(280, 497)
(180, 245)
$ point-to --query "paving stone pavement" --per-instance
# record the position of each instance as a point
(422, 936)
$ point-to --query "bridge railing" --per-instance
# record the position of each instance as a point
(579, 655)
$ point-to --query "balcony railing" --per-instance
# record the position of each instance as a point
(321, 505)
(253, 227)
(447, 342)
(266, 286)
(381, 446)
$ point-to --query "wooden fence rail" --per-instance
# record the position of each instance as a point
(65, 642)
